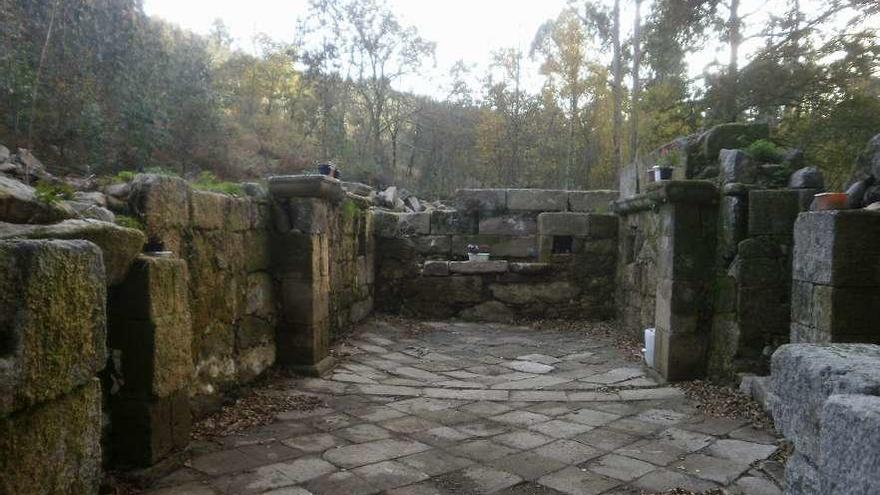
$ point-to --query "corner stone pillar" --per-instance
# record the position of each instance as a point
(150, 338)
(685, 271)
(300, 254)
(836, 277)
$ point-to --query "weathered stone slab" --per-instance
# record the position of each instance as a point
(499, 246)
(536, 200)
(474, 267)
(208, 209)
(19, 204)
(390, 224)
(773, 211)
(147, 430)
(805, 375)
(306, 186)
(563, 223)
(150, 330)
(433, 244)
(482, 200)
(52, 319)
(596, 201)
(119, 245)
(435, 269)
(56, 447)
(850, 445)
(445, 222)
(161, 201)
(553, 292)
(838, 248)
(508, 225)
(737, 167)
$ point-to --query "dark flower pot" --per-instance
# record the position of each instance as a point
(662, 173)
(325, 169)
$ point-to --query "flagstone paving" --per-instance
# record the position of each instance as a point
(462, 408)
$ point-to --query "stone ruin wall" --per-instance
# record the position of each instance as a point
(223, 241)
(553, 256)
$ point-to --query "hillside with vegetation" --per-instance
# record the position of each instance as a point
(98, 87)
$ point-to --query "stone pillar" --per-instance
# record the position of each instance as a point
(836, 277)
(685, 270)
(150, 339)
(300, 260)
(52, 344)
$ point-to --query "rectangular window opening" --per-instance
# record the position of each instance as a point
(563, 244)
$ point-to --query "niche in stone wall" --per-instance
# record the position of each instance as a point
(563, 244)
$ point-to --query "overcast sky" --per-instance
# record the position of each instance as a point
(463, 29)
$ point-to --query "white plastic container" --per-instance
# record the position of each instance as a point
(648, 351)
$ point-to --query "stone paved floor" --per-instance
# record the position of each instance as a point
(469, 409)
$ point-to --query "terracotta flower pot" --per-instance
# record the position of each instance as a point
(830, 201)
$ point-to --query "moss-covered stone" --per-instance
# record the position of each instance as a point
(162, 204)
(150, 328)
(52, 319)
(208, 209)
(55, 447)
(19, 204)
(119, 244)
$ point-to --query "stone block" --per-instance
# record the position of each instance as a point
(835, 314)
(481, 200)
(773, 211)
(433, 244)
(804, 376)
(306, 186)
(478, 267)
(564, 223)
(678, 304)
(208, 209)
(300, 255)
(597, 201)
(499, 246)
(733, 225)
(54, 448)
(838, 248)
(52, 319)
(119, 245)
(525, 293)
(145, 431)
(850, 445)
(238, 214)
(514, 225)
(150, 331)
(680, 356)
(162, 202)
(602, 226)
(446, 222)
(737, 167)
(19, 204)
(393, 224)
(309, 215)
(807, 178)
(435, 269)
(450, 290)
(536, 200)
(305, 301)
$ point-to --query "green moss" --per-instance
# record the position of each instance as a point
(206, 181)
(350, 210)
(764, 151)
(129, 222)
(52, 193)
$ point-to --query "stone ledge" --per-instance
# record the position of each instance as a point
(472, 267)
(673, 191)
(306, 186)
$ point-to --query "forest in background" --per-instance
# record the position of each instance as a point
(98, 87)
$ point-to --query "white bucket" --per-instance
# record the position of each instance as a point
(648, 351)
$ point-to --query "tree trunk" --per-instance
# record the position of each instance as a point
(617, 89)
(43, 52)
(733, 40)
(636, 82)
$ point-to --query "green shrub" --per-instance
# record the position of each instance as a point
(125, 176)
(206, 181)
(130, 222)
(764, 151)
(51, 193)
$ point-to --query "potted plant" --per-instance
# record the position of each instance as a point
(326, 169)
(476, 252)
(665, 165)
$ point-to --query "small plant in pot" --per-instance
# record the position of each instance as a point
(669, 159)
(476, 252)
